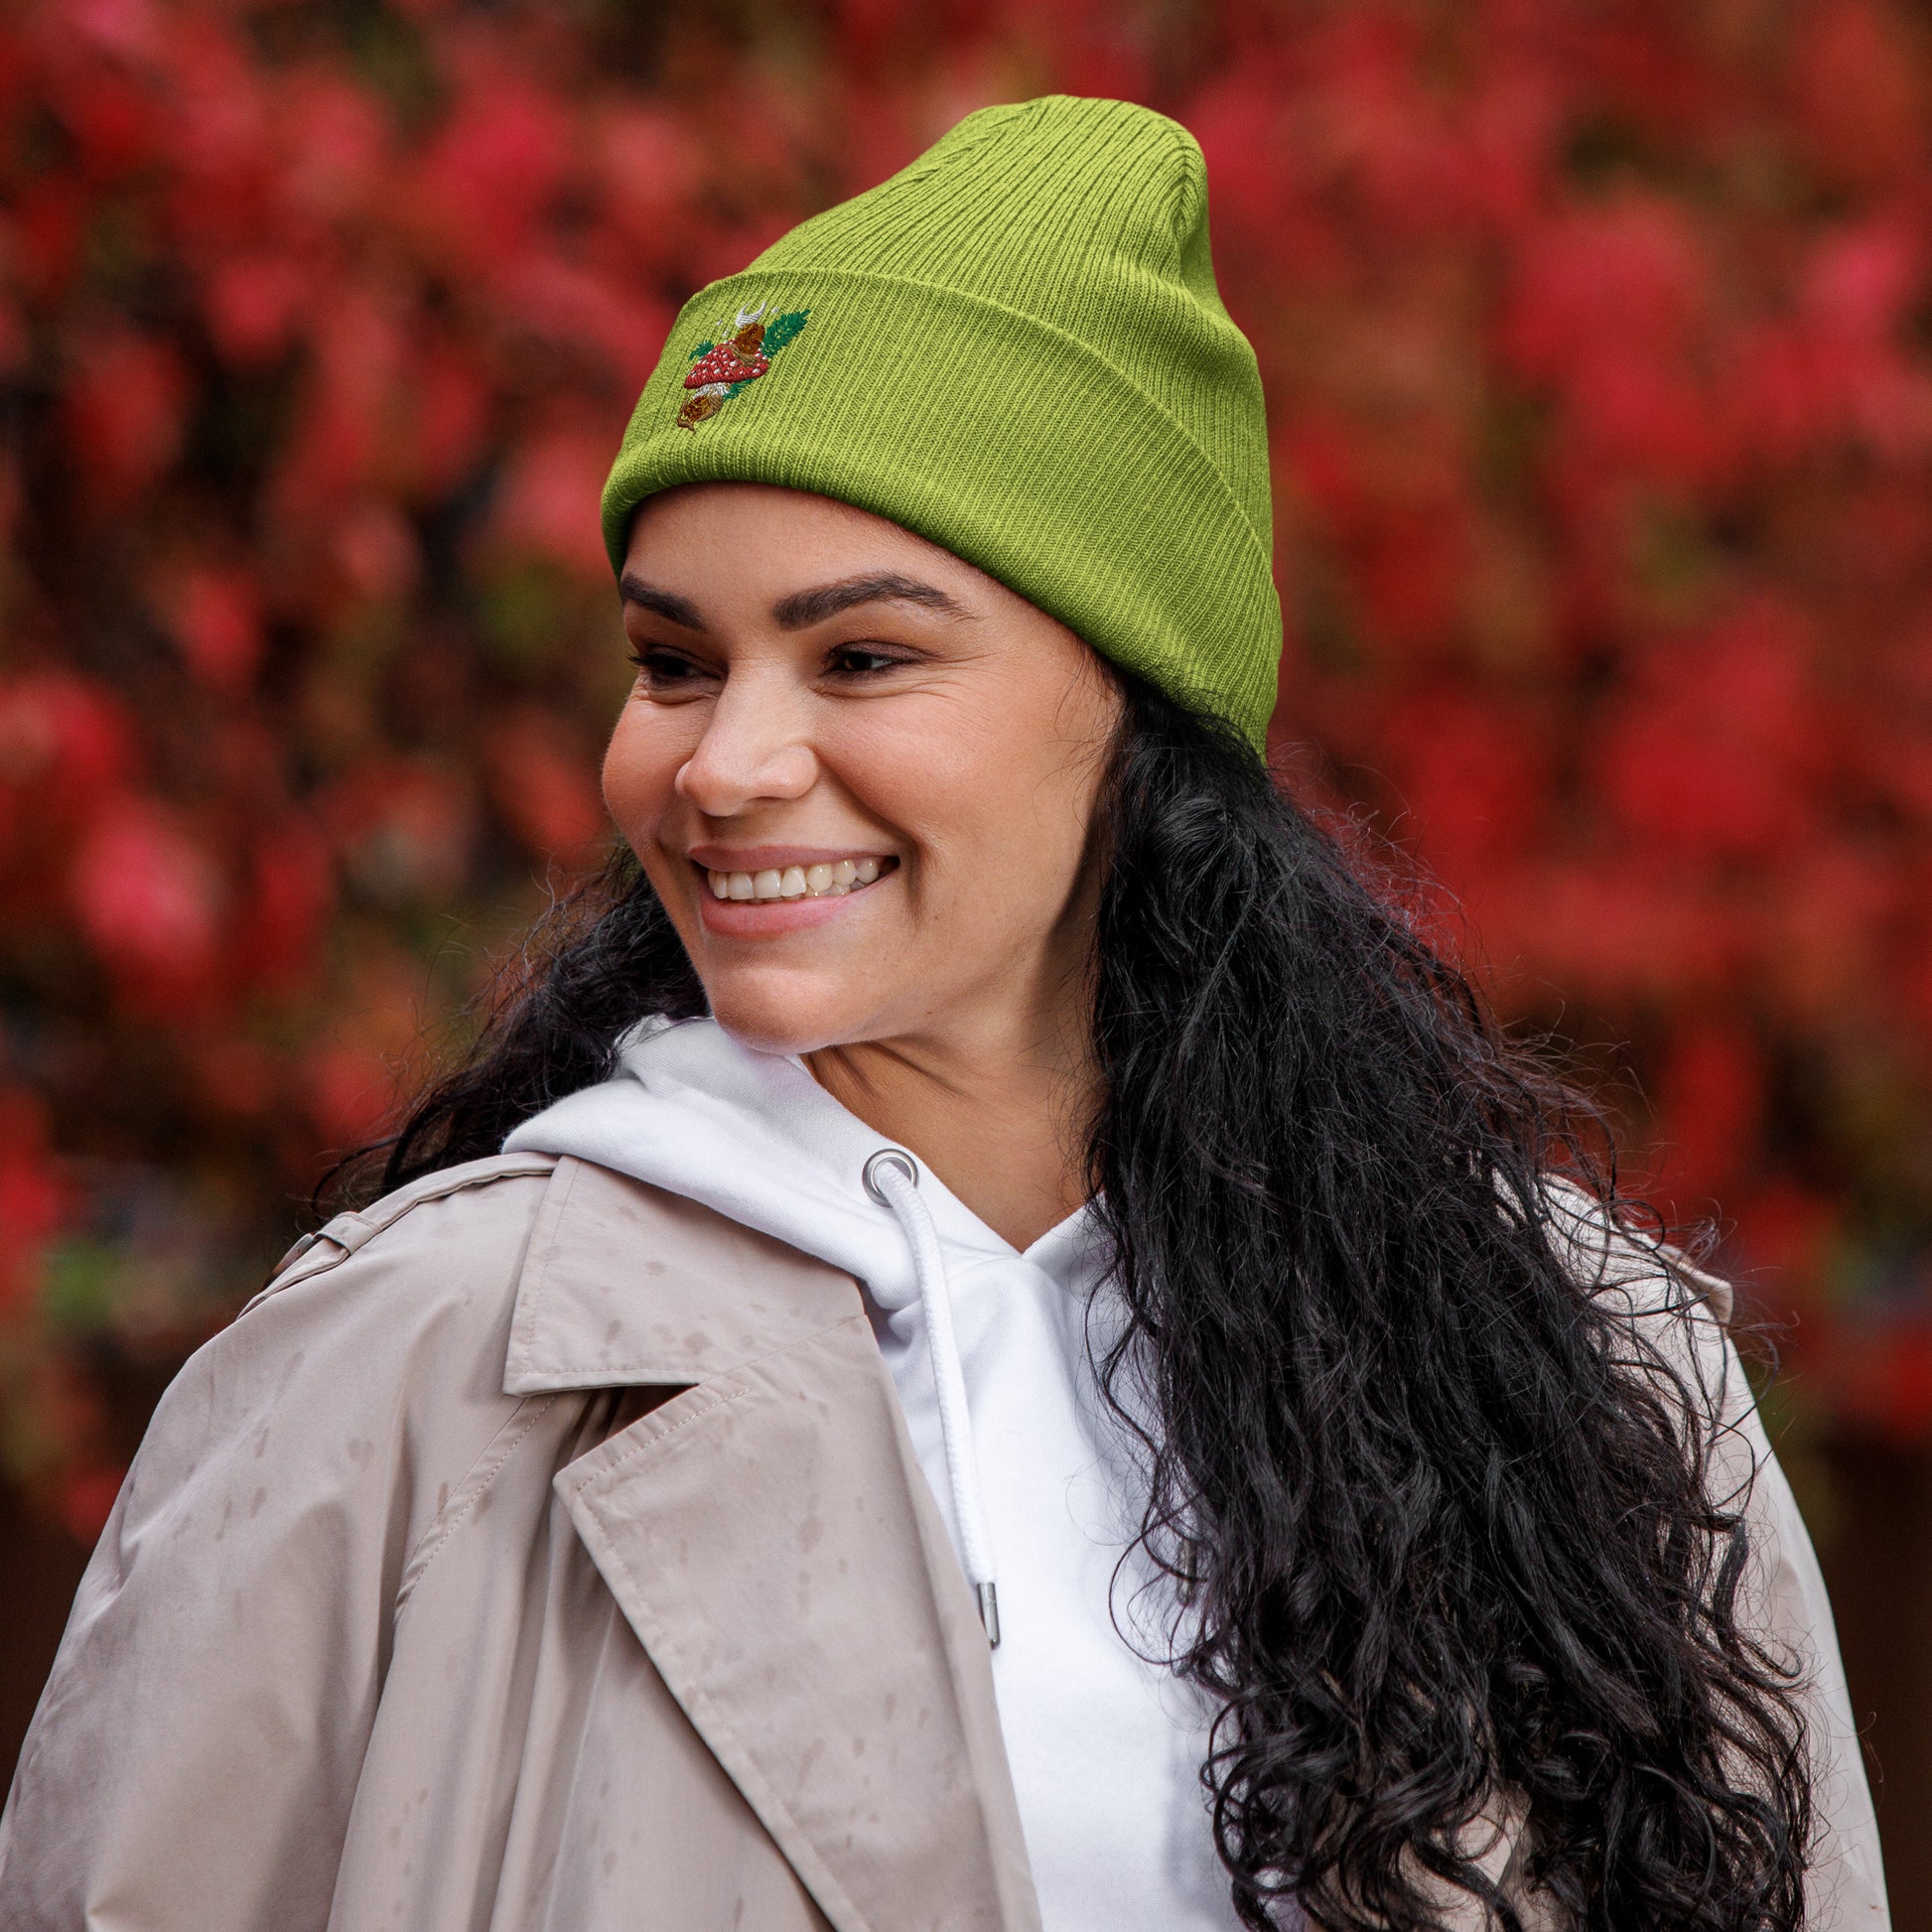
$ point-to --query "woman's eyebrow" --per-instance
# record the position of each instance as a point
(667, 604)
(804, 608)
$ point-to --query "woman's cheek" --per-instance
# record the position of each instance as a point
(904, 777)
(640, 774)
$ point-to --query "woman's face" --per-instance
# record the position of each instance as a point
(859, 772)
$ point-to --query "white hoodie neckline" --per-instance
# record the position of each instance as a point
(754, 1135)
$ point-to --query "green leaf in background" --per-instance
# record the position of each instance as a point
(82, 1286)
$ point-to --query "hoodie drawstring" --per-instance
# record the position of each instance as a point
(892, 1176)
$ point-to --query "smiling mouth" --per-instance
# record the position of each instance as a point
(833, 880)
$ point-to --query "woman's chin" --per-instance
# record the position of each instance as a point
(784, 1013)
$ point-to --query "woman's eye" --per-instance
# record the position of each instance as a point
(860, 660)
(666, 667)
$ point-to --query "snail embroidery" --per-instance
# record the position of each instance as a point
(720, 369)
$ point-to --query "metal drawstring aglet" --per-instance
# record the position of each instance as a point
(989, 1602)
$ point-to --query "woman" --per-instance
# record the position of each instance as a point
(993, 1343)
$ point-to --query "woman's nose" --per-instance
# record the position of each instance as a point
(755, 748)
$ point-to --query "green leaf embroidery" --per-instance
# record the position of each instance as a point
(702, 350)
(781, 329)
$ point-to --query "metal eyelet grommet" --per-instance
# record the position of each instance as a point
(890, 1157)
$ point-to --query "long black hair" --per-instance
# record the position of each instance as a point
(1434, 1505)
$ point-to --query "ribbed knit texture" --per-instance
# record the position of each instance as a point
(1016, 349)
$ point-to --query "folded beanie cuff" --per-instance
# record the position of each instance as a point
(1007, 441)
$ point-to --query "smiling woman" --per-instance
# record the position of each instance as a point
(992, 1340)
(819, 690)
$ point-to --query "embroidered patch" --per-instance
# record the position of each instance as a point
(720, 369)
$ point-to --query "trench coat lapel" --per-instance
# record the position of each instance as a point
(771, 1539)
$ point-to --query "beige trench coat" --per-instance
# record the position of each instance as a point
(537, 1551)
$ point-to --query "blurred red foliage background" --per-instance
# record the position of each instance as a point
(1597, 344)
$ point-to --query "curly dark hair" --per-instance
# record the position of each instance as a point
(1434, 1506)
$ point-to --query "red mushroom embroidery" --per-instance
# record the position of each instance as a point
(737, 360)
(720, 369)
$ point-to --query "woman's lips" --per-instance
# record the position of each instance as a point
(743, 902)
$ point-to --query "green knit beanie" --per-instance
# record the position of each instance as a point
(1014, 348)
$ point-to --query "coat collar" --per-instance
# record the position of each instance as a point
(773, 1542)
(623, 1284)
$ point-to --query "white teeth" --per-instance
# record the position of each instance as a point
(822, 880)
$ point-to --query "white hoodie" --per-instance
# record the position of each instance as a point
(1106, 1747)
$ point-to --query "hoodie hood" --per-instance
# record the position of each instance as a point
(754, 1135)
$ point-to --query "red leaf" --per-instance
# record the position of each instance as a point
(126, 404)
(543, 783)
(217, 622)
(548, 501)
(150, 899)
